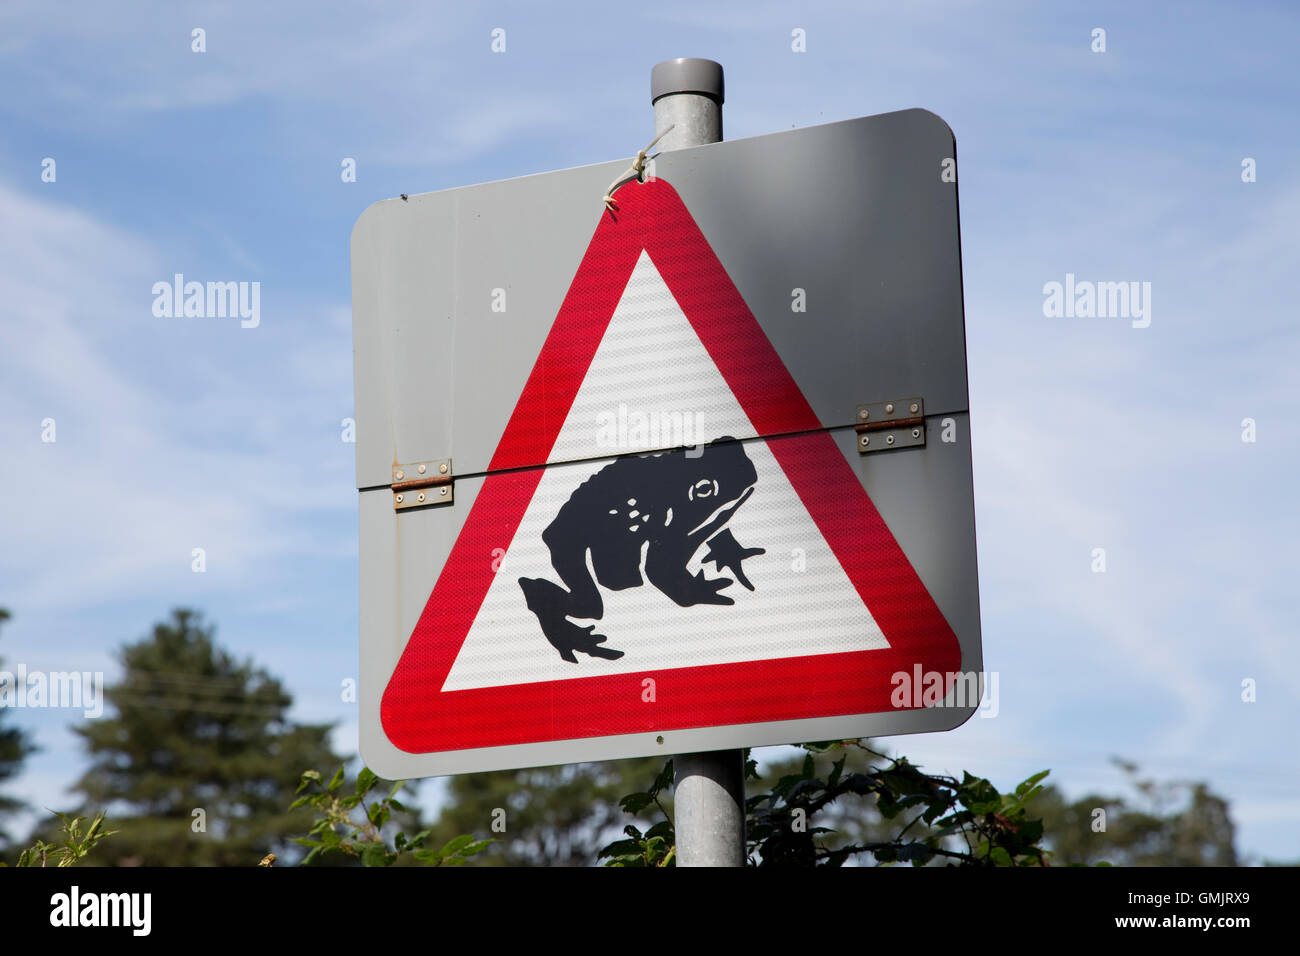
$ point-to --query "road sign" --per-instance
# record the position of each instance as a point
(681, 536)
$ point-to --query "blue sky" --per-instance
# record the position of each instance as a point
(1117, 166)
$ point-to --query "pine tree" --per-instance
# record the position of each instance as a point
(200, 762)
(14, 748)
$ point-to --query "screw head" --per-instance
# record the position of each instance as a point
(420, 469)
(889, 409)
(442, 469)
(399, 474)
(864, 414)
(889, 440)
(659, 740)
(913, 408)
(399, 498)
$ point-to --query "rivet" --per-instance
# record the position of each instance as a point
(442, 469)
(864, 414)
(916, 433)
(420, 496)
(866, 440)
(889, 440)
(399, 499)
(420, 469)
(659, 740)
(913, 407)
(443, 492)
(399, 475)
(889, 409)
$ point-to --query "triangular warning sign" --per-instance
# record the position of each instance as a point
(739, 581)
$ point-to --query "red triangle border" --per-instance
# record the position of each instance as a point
(418, 717)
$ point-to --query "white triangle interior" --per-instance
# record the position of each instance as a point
(803, 603)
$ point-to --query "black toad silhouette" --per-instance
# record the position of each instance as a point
(671, 500)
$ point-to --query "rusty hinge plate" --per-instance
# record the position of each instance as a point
(422, 483)
(883, 426)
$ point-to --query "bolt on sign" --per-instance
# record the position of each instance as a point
(685, 473)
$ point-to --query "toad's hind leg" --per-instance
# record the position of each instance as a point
(553, 606)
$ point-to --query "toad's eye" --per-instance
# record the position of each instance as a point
(703, 488)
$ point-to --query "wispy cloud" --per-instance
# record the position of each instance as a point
(134, 479)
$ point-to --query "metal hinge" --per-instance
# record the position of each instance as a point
(422, 483)
(883, 426)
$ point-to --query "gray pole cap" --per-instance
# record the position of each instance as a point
(686, 75)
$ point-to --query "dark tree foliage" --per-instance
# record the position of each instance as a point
(845, 802)
(1172, 823)
(841, 802)
(919, 818)
(550, 816)
(200, 761)
(362, 823)
(15, 745)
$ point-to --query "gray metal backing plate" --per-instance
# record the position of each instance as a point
(924, 494)
(854, 214)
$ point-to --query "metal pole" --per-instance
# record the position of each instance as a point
(709, 793)
(687, 95)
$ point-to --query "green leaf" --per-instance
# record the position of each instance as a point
(375, 854)
(918, 854)
(939, 806)
(1031, 831)
(859, 783)
(620, 848)
(803, 790)
(1028, 784)
(822, 746)
(661, 829)
(664, 780)
(366, 781)
(456, 844)
(836, 770)
(636, 802)
(337, 781)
